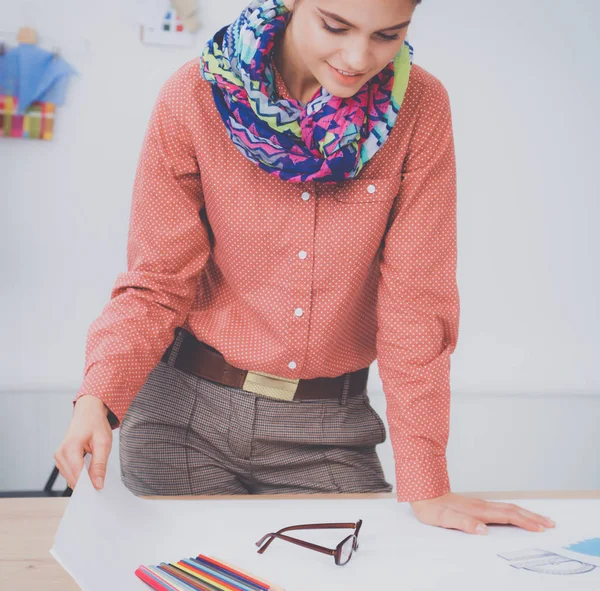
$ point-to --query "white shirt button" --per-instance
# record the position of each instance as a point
(371, 188)
(302, 254)
(292, 365)
(306, 196)
(298, 311)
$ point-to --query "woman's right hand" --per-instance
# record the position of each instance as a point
(89, 432)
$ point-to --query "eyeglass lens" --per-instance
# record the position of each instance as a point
(346, 550)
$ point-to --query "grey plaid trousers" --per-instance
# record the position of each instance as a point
(185, 435)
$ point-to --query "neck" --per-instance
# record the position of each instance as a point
(299, 81)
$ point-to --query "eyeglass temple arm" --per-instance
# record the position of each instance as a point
(303, 543)
(303, 526)
(318, 526)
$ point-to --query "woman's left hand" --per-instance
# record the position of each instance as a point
(466, 514)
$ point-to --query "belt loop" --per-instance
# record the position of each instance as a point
(180, 334)
(343, 397)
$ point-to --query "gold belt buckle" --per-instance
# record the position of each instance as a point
(271, 386)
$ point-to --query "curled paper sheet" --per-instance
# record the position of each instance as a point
(104, 536)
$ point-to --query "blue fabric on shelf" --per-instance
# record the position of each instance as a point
(34, 74)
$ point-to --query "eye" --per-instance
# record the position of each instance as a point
(382, 36)
(389, 37)
(331, 29)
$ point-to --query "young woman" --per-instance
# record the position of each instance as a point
(293, 219)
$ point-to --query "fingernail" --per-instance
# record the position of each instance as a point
(550, 521)
(99, 482)
(541, 527)
(481, 529)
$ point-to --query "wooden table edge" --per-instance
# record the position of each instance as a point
(495, 495)
(491, 495)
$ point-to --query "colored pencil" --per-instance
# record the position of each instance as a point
(224, 575)
(203, 573)
(245, 577)
(193, 582)
(217, 582)
(158, 583)
(171, 580)
(235, 569)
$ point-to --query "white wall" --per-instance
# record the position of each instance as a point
(523, 83)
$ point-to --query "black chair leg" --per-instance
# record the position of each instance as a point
(50, 482)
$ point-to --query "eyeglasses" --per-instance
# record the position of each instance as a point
(341, 553)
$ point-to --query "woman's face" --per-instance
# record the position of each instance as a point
(359, 37)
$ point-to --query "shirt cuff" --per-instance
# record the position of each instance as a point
(421, 478)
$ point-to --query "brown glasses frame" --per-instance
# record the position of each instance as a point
(335, 552)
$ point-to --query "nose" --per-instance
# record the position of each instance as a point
(356, 55)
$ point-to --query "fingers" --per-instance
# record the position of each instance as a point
(69, 461)
(100, 451)
(510, 516)
(64, 472)
(506, 513)
(89, 431)
(512, 512)
(453, 519)
(73, 460)
(471, 515)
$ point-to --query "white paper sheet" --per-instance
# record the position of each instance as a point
(105, 535)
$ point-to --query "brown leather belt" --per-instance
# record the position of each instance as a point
(200, 359)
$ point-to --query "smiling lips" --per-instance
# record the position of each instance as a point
(344, 74)
(348, 73)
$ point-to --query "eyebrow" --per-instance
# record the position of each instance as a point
(339, 19)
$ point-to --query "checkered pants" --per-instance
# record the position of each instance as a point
(185, 435)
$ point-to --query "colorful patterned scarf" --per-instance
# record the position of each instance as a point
(330, 138)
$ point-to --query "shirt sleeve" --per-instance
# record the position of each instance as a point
(418, 303)
(167, 247)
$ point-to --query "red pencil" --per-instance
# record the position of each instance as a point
(150, 578)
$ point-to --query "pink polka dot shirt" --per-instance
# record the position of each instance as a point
(301, 280)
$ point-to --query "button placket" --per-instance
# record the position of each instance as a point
(305, 272)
